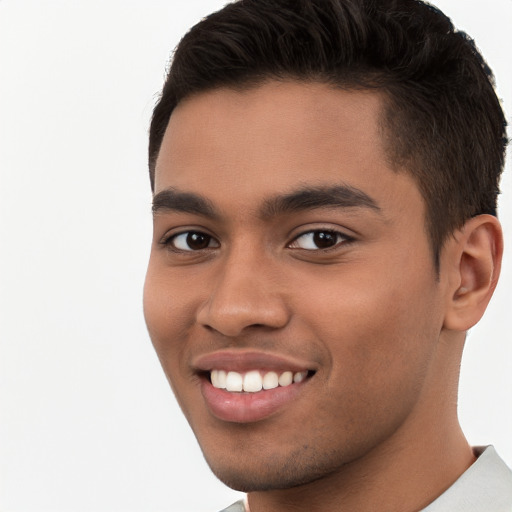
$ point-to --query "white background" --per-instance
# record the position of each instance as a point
(87, 421)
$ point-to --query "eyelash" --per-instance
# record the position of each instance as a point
(341, 239)
(170, 241)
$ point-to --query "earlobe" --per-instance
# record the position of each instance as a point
(475, 261)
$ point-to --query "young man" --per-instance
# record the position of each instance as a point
(325, 175)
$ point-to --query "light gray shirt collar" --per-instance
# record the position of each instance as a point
(486, 486)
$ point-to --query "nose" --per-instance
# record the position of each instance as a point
(245, 293)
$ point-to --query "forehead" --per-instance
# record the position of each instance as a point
(244, 146)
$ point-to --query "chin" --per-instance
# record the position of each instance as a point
(269, 473)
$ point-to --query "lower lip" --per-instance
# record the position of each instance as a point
(248, 407)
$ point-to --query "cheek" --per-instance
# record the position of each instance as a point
(167, 298)
(378, 330)
(379, 361)
(169, 319)
(165, 311)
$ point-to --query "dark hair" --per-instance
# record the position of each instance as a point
(442, 120)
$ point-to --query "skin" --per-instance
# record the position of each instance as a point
(375, 427)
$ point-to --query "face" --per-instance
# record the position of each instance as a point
(291, 294)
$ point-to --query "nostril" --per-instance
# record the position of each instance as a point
(231, 314)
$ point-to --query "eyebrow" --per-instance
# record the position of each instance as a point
(310, 198)
(171, 199)
(302, 199)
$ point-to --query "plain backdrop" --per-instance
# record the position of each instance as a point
(87, 420)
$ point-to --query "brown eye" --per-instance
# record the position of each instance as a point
(319, 239)
(325, 239)
(193, 241)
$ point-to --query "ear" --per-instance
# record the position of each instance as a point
(474, 263)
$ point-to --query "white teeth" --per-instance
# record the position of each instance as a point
(234, 381)
(253, 381)
(222, 379)
(214, 377)
(218, 379)
(270, 380)
(285, 379)
(299, 376)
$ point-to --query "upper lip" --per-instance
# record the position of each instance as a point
(243, 361)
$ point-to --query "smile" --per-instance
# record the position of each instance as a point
(254, 381)
(246, 386)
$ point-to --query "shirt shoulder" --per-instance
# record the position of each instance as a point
(235, 507)
(485, 487)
